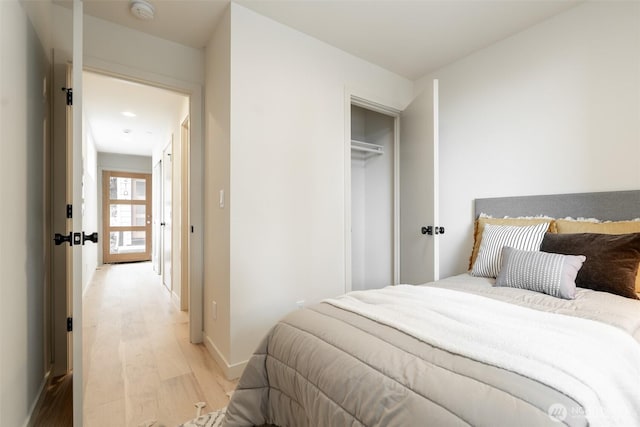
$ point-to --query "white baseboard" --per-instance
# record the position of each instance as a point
(38, 401)
(176, 299)
(231, 372)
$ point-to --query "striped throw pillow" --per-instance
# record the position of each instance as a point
(496, 237)
(551, 274)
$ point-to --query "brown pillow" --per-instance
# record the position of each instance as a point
(609, 227)
(612, 260)
(519, 222)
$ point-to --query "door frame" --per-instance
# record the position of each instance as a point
(352, 98)
(195, 174)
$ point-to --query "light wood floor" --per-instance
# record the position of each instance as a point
(139, 367)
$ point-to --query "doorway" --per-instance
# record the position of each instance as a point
(373, 198)
(389, 202)
(126, 213)
(128, 124)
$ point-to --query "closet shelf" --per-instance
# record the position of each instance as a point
(366, 147)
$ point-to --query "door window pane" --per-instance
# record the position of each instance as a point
(127, 188)
(139, 189)
(127, 215)
(127, 242)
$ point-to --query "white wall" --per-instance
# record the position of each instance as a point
(287, 169)
(23, 67)
(216, 178)
(554, 109)
(358, 204)
(106, 41)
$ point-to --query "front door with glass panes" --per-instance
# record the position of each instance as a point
(126, 216)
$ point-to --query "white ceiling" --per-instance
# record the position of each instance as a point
(410, 38)
(106, 98)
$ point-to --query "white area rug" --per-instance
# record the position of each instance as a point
(212, 419)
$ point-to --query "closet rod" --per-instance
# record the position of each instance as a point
(365, 146)
(368, 150)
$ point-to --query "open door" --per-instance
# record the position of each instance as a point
(166, 224)
(66, 206)
(419, 222)
(156, 241)
(414, 154)
(76, 172)
(66, 209)
(184, 216)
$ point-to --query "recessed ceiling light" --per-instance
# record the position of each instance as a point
(128, 114)
(142, 9)
(127, 131)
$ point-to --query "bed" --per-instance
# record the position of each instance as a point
(472, 350)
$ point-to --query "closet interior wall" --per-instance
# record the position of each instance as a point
(372, 200)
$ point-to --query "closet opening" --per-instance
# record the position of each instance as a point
(373, 255)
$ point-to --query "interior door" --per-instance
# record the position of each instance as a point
(66, 208)
(419, 188)
(156, 241)
(61, 224)
(126, 213)
(76, 172)
(184, 215)
(167, 175)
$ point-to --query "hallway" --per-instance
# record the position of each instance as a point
(139, 366)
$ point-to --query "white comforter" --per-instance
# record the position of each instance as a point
(596, 364)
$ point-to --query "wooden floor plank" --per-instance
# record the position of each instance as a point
(139, 365)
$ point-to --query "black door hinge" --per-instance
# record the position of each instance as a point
(69, 92)
(69, 324)
(69, 211)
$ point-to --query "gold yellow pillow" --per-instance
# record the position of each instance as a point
(518, 222)
(615, 227)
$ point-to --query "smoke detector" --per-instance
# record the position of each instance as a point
(142, 9)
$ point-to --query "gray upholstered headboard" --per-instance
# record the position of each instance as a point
(612, 206)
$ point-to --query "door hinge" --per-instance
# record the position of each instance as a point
(69, 324)
(69, 92)
(69, 211)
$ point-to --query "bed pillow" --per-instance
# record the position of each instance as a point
(565, 226)
(609, 227)
(552, 274)
(495, 237)
(483, 220)
(612, 260)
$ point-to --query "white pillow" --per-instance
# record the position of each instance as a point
(551, 274)
(496, 237)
